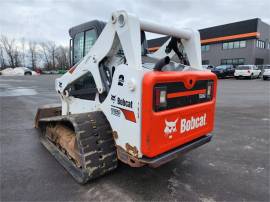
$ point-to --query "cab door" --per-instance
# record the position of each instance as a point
(81, 44)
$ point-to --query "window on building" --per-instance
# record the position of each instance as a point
(241, 61)
(90, 38)
(230, 45)
(234, 44)
(235, 61)
(259, 61)
(205, 48)
(229, 61)
(260, 44)
(205, 62)
(243, 44)
(78, 47)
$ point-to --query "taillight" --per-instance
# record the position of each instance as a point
(160, 98)
(209, 91)
(71, 70)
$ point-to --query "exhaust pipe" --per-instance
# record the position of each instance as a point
(161, 63)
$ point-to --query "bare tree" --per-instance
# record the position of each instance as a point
(52, 51)
(45, 57)
(9, 47)
(13, 54)
(17, 57)
(23, 55)
(33, 53)
(2, 58)
(49, 54)
(62, 55)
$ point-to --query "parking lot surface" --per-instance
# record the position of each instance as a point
(234, 166)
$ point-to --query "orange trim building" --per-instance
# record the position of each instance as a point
(244, 42)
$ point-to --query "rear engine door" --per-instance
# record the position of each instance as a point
(177, 107)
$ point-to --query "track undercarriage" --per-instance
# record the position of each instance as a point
(82, 143)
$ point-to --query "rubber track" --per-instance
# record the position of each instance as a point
(95, 143)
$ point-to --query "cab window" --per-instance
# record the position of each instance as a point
(84, 87)
(78, 47)
(90, 38)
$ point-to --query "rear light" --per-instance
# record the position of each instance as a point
(160, 98)
(71, 70)
(209, 91)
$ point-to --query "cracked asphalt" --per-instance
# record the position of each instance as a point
(234, 166)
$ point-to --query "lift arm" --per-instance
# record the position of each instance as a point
(126, 28)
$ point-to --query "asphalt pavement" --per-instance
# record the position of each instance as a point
(234, 166)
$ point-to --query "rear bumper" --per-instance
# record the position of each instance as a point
(162, 158)
(218, 73)
(242, 75)
(223, 74)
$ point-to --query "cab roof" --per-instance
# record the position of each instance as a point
(94, 24)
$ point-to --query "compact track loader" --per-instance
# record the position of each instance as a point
(118, 102)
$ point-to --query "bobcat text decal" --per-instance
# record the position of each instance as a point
(192, 123)
(185, 124)
(122, 101)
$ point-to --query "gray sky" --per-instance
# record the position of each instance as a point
(50, 19)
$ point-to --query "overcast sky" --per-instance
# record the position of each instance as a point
(50, 19)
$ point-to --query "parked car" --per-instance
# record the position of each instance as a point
(223, 71)
(208, 66)
(27, 71)
(18, 71)
(247, 71)
(38, 70)
(266, 72)
(260, 67)
(50, 72)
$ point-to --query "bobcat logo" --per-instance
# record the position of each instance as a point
(170, 127)
(121, 80)
(113, 97)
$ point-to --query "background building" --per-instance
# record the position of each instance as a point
(244, 42)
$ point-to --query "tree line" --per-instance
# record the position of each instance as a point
(18, 53)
